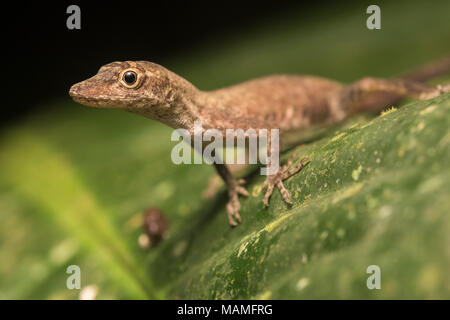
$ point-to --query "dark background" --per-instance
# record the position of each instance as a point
(43, 58)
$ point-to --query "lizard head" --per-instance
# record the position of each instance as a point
(135, 86)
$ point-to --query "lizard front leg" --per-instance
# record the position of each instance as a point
(283, 173)
(234, 188)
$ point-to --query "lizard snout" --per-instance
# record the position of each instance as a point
(73, 92)
(76, 92)
(87, 95)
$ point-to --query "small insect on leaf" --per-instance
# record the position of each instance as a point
(155, 227)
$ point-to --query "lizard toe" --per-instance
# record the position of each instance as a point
(284, 193)
(283, 173)
(268, 193)
(233, 207)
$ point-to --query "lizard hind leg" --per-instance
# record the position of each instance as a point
(234, 188)
(440, 89)
(283, 173)
(373, 94)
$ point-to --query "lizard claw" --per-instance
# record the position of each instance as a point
(233, 206)
(277, 179)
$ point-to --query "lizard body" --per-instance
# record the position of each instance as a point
(286, 102)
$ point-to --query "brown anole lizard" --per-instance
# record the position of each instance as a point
(286, 102)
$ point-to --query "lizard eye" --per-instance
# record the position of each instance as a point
(129, 78)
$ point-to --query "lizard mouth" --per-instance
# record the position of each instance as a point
(86, 99)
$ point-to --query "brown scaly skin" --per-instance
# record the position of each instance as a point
(286, 102)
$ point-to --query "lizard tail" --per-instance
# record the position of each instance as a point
(429, 71)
